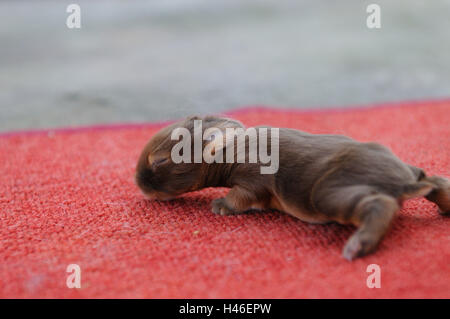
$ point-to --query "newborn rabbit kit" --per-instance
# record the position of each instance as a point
(318, 178)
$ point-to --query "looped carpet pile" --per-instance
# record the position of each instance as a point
(68, 197)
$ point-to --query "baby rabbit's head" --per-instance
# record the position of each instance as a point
(162, 177)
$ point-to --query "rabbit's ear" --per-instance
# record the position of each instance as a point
(193, 118)
(221, 122)
(217, 142)
(219, 131)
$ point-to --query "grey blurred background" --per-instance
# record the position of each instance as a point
(139, 61)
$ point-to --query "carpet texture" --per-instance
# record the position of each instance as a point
(68, 197)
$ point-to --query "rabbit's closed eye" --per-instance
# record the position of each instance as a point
(159, 162)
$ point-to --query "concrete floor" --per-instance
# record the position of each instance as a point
(156, 60)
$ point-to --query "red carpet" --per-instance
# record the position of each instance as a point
(67, 196)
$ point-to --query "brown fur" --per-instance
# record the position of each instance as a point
(321, 178)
